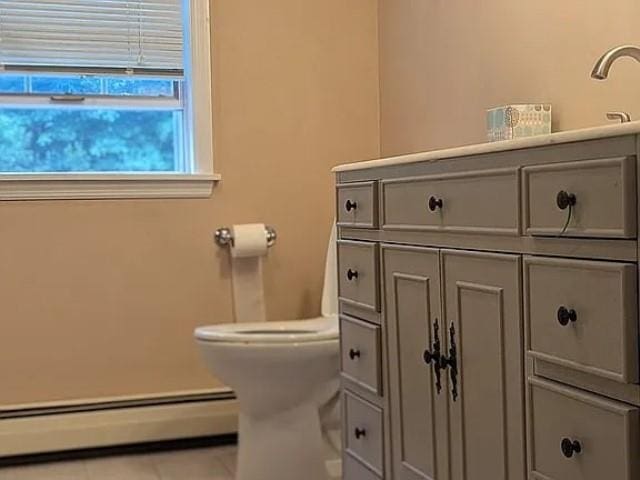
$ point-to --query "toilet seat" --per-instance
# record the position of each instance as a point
(287, 332)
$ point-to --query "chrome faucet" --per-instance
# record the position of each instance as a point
(622, 117)
(603, 65)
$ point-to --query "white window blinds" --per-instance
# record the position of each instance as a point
(92, 35)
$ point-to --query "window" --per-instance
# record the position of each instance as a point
(97, 90)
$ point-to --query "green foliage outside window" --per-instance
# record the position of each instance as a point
(89, 140)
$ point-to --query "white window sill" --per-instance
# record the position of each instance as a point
(71, 186)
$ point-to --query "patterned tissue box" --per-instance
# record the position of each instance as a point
(518, 121)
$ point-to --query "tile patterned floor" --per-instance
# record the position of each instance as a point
(211, 463)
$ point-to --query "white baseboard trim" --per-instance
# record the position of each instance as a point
(110, 427)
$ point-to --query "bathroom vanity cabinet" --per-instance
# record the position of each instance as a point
(489, 311)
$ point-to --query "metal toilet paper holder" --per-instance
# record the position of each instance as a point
(224, 237)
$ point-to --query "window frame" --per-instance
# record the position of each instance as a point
(196, 182)
(105, 100)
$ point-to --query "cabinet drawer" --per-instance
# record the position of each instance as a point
(358, 274)
(361, 353)
(364, 435)
(606, 433)
(583, 315)
(357, 205)
(485, 201)
(605, 198)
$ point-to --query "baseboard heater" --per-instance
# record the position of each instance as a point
(47, 428)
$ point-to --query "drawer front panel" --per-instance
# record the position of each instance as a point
(364, 432)
(360, 343)
(580, 436)
(605, 198)
(472, 202)
(583, 315)
(357, 205)
(352, 469)
(358, 274)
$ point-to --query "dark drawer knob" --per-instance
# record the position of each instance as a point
(353, 354)
(360, 432)
(352, 274)
(565, 316)
(435, 203)
(570, 447)
(565, 200)
(350, 205)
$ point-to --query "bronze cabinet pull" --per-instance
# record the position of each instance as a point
(434, 357)
(566, 315)
(565, 200)
(451, 362)
(435, 203)
(570, 447)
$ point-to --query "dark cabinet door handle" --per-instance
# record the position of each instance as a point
(434, 358)
(565, 316)
(351, 274)
(570, 447)
(565, 200)
(360, 432)
(350, 205)
(435, 203)
(451, 362)
(353, 354)
(429, 357)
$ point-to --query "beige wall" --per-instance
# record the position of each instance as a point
(99, 298)
(444, 62)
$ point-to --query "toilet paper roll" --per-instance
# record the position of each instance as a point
(249, 246)
(249, 240)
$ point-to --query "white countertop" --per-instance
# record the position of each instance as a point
(594, 133)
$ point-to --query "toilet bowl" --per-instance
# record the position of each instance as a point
(286, 377)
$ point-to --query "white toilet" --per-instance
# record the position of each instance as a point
(286, 377)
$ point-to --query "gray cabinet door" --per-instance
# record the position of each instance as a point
(418, 412)
(482, 314)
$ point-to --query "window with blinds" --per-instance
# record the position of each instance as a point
(93, 86)
(98, 36)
